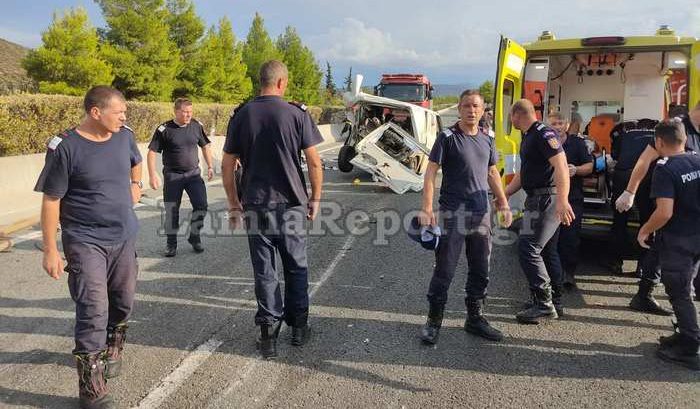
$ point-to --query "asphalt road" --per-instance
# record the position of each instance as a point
(191, 341)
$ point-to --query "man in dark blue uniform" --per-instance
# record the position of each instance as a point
(676, 223)
(468, 159)
(91, 180)
(544, 175)
(268, 135)
(580, 163)
(178, 140)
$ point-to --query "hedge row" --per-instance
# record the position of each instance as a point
(27, 121)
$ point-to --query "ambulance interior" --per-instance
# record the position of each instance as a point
(603, 90)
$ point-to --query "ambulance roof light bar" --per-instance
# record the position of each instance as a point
(603, 41)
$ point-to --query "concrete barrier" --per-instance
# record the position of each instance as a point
(19, 174)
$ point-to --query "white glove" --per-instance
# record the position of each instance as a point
(572, 170)
(624, 202)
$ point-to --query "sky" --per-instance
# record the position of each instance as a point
(452, 41)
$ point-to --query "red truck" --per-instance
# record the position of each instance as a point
(413, 88)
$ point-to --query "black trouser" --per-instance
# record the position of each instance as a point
(537, 244)
(680, 260)
(102, 283)
(570, 239)
(281, 229)
(173, 186)
(473, 232)
(648, 262)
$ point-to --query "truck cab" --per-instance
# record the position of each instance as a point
(412, 88)
(604, 81)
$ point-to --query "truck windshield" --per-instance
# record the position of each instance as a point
(402, 92)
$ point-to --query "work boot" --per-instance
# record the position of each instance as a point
(684, 351)
(569, 281)
(267, 341)
(644, 301)
(116, 337)
(476, 323)
(196, 243)
(543, 308)
(300, 335)
(92, 384)
(431, 330)
(557, 299)
(170, 250)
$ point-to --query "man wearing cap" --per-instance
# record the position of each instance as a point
(468, 160)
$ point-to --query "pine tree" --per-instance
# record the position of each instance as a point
(220, 74)
(186, 30)
(348, 81)
(330, 85)
(258, 49)
(146, 61)
(486, 91)
(69, 61)
(304, 73)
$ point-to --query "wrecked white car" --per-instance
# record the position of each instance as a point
(389, 139)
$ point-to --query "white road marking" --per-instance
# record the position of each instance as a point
(26, 237)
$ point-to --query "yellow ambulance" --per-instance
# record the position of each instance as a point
(599, 80)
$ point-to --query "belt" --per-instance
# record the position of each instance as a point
(541, 191)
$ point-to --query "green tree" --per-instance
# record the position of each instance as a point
(186, 31)
(304, 73)
(330, 85)
(348, 81)
(220, 74)
(486, 90)
(146, 61)
(69, 61)
(258, 49)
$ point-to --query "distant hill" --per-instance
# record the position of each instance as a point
(446, 90)
(13, 78)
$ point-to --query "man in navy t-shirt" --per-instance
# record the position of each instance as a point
(179, 140)
(91, 179)
(468, 159)
(268, 135)
(676, 221)
(580, 163)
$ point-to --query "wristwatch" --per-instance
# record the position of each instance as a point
(137, 183)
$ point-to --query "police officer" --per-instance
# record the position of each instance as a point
(637, 192)
(90, 181)
(676, 221)
(544, 175)
(580, 164)
(178, 140)
(268, 136)
(468, 159)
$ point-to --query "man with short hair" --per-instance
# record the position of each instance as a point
(178, 140)
(580, 164)
(268, 135)
(676, 223)
(544, 175)
(90, 181)
(468, 159)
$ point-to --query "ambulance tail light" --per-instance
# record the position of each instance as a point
(603, 41)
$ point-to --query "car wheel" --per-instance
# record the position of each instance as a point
(344, 157)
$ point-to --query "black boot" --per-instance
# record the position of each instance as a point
(557, 299)
(431, 330)
(644, 301)
(116, 337)
(170, 250)
(196, 243)
(569, 281)
(267, 342)
(476, 323)
(300, 335)
(683, 351)
(92, 383)
(542, 308)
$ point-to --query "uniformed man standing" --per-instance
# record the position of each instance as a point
(676, 221)
(468, 159)
(268, 135)
(178, 140)
(91, 180)
(544, 175)
(580, 163)
(637, 191)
